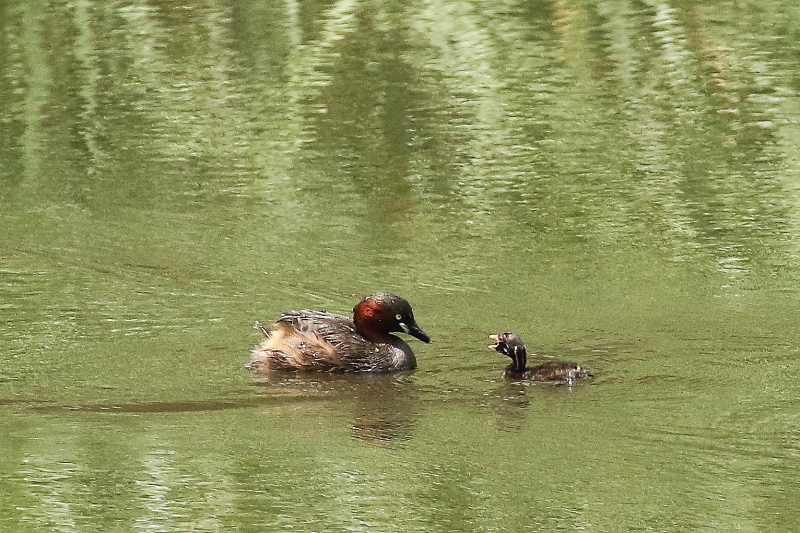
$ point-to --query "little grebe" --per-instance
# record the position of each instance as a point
(318, 341)
(510, 344)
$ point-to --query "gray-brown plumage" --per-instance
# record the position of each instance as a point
(511, 345)
(318, 341)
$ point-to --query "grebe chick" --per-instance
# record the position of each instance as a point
(318, 341)
(510, 344)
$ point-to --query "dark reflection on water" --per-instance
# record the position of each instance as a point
(153, 407)
(617, 181)
(383, 406)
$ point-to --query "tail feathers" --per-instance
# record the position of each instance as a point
(577, 373)
(297, 360)
(287, 349)
(261, 328)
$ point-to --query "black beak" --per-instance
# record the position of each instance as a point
(416, 331)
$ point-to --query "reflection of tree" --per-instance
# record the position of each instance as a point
(431, 138)
(574, 118)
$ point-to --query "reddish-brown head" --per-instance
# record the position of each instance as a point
(384, 313)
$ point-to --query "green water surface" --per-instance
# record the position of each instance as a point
(616, 181)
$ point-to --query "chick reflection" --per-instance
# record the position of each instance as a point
(381, 405)
(510, 402)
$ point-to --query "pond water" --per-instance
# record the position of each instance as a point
(616, 181)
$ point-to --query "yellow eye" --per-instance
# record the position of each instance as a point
(399, 317)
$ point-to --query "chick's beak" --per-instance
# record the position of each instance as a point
(496, 339)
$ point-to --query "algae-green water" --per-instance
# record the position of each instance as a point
(617, 182)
